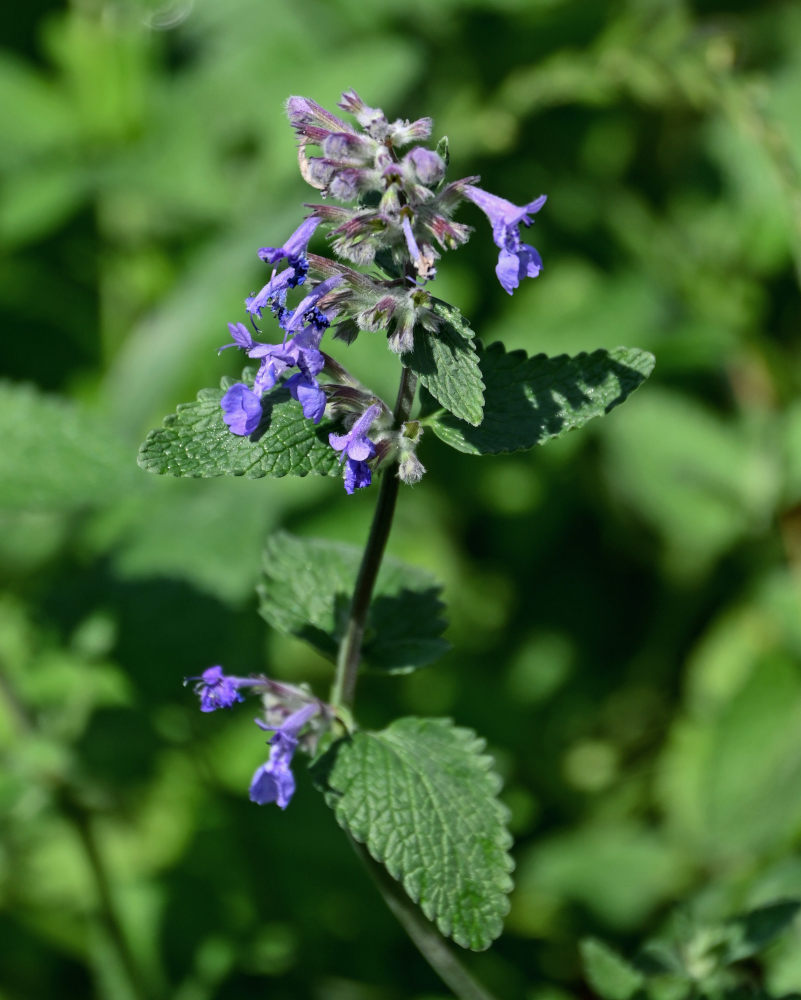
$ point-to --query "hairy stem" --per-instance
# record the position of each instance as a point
(425, 936)
(439, 955)
(350, 649)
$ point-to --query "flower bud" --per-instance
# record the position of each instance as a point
(429, 167)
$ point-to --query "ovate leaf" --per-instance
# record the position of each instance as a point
(530, 400)
(306, 591)
(422, 798)
(607, 973)
(196, 442)
(447, 363)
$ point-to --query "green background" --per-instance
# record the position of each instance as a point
(624, 602)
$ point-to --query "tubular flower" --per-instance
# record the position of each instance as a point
(295, 247)
(358, 448)
(241, 409)
(219, 690)
(516, 260)
(273, 781)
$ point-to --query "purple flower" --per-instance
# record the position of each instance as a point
(428, 165)
(295, 247)
(218, 690)
(241, 337)
(516, 260)
(358, 448)
(275, 358)
(274, 781)
(304, 348)
(241, 409)
(514, 265)
(357, 475)
(294, 250)
(273, 293)
(304, 388)
(424, 263)
(309, 304)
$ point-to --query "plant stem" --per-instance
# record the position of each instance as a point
(350, 648)
(426, 937)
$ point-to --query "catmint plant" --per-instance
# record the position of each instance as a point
(418, 798)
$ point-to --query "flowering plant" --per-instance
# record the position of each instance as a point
(419, 797)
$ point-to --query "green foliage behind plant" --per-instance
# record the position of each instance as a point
(624, 603)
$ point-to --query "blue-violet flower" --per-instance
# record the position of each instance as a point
(273, 781)
(358, 448)
(295, 247)
(219, 690)
(308, 305)
(304, 388)
(241, 409)
(516, 260)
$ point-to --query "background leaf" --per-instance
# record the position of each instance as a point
(55, 455)
(419, 794)
(306, 592)
(530, 401)
(609, 975)
(754, 931)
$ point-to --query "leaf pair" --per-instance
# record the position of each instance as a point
(492, 401)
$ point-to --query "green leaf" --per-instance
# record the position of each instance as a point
(700, 480)
(448, 365)
(56, 456)
(731, 776)
(306, 592)
(531, 400)
(750, 933)
(609, 975)
(196, 442)
(421, 796)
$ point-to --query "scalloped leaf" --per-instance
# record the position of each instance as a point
(421, 796)
(196, 442)
(447, 364)
(533, 400)
(306, 592)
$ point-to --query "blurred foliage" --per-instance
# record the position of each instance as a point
(624, 603)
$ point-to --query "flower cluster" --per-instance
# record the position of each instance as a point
(398, 222)
(288, 711)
